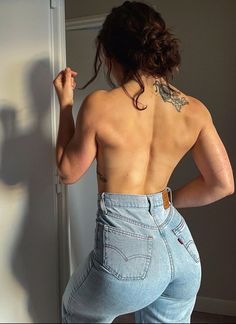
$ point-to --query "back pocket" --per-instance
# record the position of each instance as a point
(126, 255)
(184, 237)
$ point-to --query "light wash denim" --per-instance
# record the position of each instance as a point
(144, 261)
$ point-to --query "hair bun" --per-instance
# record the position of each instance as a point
(135, 35)
(156, 40)
(151, 34)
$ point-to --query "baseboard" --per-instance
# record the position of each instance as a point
(215, 306)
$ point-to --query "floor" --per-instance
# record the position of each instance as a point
(197, 317)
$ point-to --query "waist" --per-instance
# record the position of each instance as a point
(163, 197)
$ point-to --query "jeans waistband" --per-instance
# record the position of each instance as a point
(163, 197)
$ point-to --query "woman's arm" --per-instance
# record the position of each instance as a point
(216, 176)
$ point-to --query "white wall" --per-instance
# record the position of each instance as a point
(29, 259)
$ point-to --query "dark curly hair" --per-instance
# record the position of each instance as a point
(135, 36)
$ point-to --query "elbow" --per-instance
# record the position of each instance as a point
(65, 180)
(225, 187)
(220, 191)
(231, 187)
(68, 180)
(230, 191)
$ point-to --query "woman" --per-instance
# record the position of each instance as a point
(144, 259)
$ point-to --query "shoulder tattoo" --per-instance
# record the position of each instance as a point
(169, 96)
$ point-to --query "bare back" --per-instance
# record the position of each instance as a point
(139, 149)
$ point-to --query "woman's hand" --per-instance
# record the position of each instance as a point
(64, 84)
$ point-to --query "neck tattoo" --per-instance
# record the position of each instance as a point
(169, 96)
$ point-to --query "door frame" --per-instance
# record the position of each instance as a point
(58, 63)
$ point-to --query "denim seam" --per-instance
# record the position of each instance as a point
(189, 242)
(128, 220)
(64, 314)
(179, 228)
(129, 204)
(171, 298)
(169, 252)
(195, 256)
(66, 318)
(168, 219)
(76, 290)
(125, 233)
(141, 315)
(170, 257)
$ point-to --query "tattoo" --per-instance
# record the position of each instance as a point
(169, 96)
(102, 178)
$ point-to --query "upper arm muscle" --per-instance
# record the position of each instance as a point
(210, 155)
(81, 150)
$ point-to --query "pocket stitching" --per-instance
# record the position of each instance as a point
(125, 233)
(194, 255)
(123, 255)
(177, 231)
(119, 276)
(145, 238)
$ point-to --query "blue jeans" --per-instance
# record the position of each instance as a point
(144, 261)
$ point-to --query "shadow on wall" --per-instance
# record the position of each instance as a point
(27, 159)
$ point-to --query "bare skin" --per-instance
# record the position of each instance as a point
(137, 151)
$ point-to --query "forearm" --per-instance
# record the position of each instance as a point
(66, 131)
(197, 193)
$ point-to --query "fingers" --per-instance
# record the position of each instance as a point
(58, 77)
(68, 74)
(74, 73)
(74, 85)
(69, 71)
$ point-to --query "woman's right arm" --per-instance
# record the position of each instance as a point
(216, 176)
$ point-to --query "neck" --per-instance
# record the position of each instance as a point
(149, 83)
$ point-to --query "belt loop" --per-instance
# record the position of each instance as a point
(170, 191)
(102, 203)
